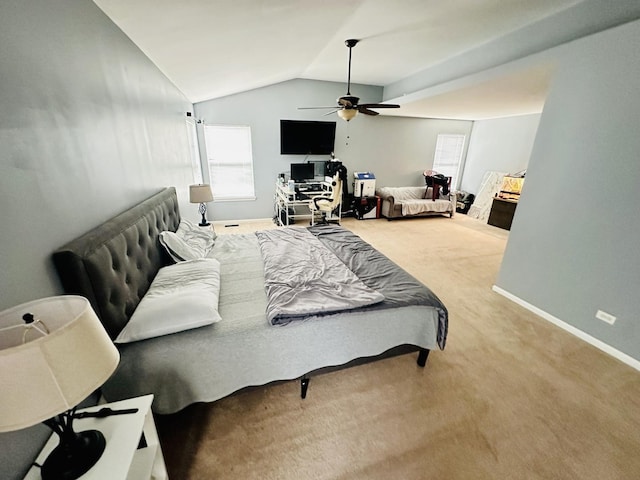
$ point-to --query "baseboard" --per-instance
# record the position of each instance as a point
(623, 357)
(222, 223)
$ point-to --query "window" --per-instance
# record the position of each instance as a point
(230, 161)
(448, 157)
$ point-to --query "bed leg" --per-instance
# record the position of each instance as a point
(304, 385)
(422, 356)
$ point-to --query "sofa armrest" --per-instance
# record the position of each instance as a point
(452, 198)
(387, 203)
(388, 198)
(384, 195)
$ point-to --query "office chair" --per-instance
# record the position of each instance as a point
(327, 203)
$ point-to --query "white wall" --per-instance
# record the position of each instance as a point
(501, 145)
(579, 20)
(397, 150)
(573, 244)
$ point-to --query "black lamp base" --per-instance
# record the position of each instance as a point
(72, 459)
(203, 212)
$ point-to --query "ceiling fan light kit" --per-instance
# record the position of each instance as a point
(348, 106)
(347, 114)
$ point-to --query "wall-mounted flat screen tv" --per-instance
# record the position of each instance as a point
(305, 137)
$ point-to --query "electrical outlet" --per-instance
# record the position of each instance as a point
(605, 317)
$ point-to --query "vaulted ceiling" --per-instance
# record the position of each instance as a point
(211, 49)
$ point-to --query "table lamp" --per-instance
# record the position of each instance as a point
(54, 353)
(201, 194)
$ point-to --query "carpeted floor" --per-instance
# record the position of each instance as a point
(511, 397)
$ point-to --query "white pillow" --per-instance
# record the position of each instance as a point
(181, 297)
(189, 242)
(177, 248)
(194, 233)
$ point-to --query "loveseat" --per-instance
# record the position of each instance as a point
(403, 202)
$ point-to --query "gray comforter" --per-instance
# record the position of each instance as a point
(291, 298)
(243, 349)
(304, 278)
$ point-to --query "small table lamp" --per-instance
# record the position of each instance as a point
(201, 194)
(54, 353)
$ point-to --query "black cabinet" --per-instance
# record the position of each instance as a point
(502, 211)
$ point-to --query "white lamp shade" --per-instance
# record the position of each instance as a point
(54, 372)
(347, 113)
(200, 193)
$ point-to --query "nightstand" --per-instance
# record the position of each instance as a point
(133, 449)
(502, 211)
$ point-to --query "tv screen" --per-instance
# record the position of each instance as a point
(302, 137)
(302, 171)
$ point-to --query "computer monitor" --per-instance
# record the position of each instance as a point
(301, 172)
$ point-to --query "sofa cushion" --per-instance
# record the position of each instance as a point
(416, 207)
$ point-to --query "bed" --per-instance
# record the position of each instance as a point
(115, 264)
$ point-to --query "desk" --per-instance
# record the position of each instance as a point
(123, 457)
(291, 206)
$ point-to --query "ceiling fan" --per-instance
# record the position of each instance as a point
(348, 106)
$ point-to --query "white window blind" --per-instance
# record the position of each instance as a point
(448, 157)
(230, 161)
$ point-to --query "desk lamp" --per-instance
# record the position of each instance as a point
(201, 194)
(54, 353)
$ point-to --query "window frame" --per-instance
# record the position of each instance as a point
(220, 181)
(446, 164)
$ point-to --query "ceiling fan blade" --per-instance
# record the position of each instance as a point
(379, 105)
(349, 102)
(366, 111)
(315, 108)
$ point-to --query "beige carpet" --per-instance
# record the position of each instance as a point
(511, 397)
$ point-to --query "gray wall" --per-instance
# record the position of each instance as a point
(397, 150)
(573, 245)
(501, 145)
(88, 127)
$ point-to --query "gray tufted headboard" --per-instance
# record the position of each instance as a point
(114, 264)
